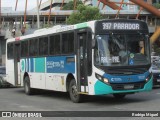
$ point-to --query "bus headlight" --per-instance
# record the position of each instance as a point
(99, 77)
(105, 80)
(149, 77)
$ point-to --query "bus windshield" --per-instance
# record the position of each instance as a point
(122, 50)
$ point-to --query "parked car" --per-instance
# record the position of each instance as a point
(155, 69)
(3, 82)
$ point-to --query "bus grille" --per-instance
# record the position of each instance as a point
(125, 71)
(126, 86)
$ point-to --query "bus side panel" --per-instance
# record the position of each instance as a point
(50, 85)
(56, 81)
(37, 77)
(21, 78)
(48, 73)
(57, 70)
(19, 75)
(37, 80)
(35, 67)
(10, 71)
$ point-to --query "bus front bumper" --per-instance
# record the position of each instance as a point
(102, 88)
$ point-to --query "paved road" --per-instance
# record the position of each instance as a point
(14, 99)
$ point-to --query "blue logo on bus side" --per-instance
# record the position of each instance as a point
(59, 65)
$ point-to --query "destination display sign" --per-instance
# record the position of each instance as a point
(120, 25)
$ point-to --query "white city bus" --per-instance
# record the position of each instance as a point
(93, 58)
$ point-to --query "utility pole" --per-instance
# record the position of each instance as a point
(75, 3)
(49, 15)
(25, 12)
(16, 5)
(38, 26)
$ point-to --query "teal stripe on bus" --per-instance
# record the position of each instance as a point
(40, 65)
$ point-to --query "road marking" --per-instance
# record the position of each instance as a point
(158, 93)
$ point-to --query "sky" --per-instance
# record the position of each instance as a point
(20, 5)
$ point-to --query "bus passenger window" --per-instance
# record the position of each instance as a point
(71, 42)
(57, 48)
(43, 46)
(67, 43)
(10, 50)
(24, 49)
(33, 47)
(51, 45)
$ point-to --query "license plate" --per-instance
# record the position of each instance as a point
(158, 80)
(128, 86)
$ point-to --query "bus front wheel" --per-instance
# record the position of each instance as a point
(27, 88)
(73, 92)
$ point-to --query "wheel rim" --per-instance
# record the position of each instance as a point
(74, 91)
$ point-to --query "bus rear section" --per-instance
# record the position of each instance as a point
(13, 62)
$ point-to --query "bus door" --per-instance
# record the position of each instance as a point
(82, 61)
(17, 64)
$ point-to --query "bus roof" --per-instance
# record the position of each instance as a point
(54, 29)
(61, 28)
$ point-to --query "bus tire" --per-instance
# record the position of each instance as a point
(27, 88)
(119, 96)
(73, 92)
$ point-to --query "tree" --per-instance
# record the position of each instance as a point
(84, 14)
(156, 5)
(70, 5)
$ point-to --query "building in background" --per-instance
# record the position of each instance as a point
(124, 6)
(56, 5)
